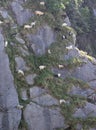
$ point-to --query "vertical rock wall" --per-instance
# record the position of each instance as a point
(9, 114)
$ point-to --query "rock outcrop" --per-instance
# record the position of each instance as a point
(10, 115)
(22, 15)
(61, 95)
(44, 111)
(46, 118)
(42, 40)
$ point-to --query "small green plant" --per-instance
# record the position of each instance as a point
(54, 6)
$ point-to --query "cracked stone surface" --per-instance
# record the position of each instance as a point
(86, 73)
(9, 115)
(89, 110)
(23, 52)
(43, 112)
(46, 100)
(42, 40)
(83, 92)
(5, 14)
(22, 15)
(72, 53)
(24, 95)
(36, 92)
(19, 39)
(92, 84)
(20, 64)
(30, 79)
(46, 118)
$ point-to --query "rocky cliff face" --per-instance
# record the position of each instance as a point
(45, 81)
(83, 19)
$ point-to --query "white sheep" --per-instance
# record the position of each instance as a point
(49, 52)
(1, 22)
(30, 26)
(39, 13)
(6, 44)
(21, 72)
(33, 23)
(42, 3)
(74, 38)
(64, 24)
(61, 66)
(59, 75)
(62, 101)
(27, 26)
(69, 47)
(41, 67)
(20, 107)
(64, 37)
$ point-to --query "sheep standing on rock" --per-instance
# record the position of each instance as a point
(30, 26)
